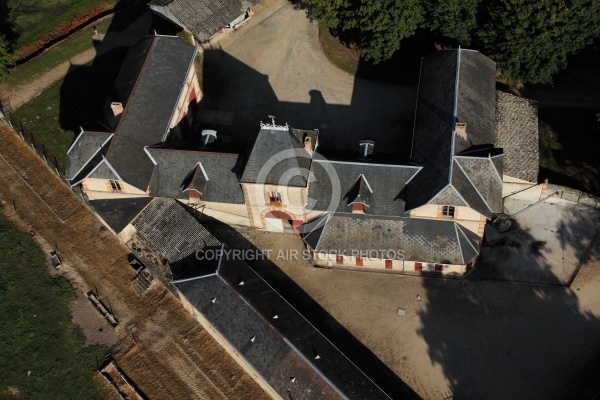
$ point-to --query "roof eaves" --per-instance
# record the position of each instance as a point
(475, 187)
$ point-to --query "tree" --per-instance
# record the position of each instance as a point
(374, 27)
(531, 39)
(6, 58)
(453, 19)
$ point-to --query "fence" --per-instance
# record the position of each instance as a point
(37, 146)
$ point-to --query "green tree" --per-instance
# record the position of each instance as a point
(6, 58)
(531, 39)
(374, 27)
(453, 19)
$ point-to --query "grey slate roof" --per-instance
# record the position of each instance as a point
(103, 170)
(331, 179)
(175, 169)
(204, 18)
(425, 240)
(278, 157)
(83, 149)
(175, 234)
(284, 347)
(118, 213)
(455, 86)
(155, 69)
(517, 133)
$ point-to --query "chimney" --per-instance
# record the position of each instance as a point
(365, 149)
(461, 129)
(208, 137)
(116, 107)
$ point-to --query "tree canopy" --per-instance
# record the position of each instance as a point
(529, 39)
(6, 58)
(374, 27)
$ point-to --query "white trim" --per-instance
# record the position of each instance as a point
(369, 164)
(454, 119)
(75, 141)
(412, 144)
(148, 153)
(459, 245)
(194, 278)
(203, 171)
(113, 170)
(181, 90)
(495, 170)
(468, 240)
(474, 187)
(94, 155)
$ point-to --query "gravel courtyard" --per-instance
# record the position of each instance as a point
(275, 66)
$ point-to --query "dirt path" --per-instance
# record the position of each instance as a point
(93, 258)
(110, 41)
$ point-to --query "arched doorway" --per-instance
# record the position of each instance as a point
(278, 221)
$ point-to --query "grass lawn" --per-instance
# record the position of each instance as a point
(42, 354)
(41, 117)
(60, 53)
(344, 58)
(36, 21)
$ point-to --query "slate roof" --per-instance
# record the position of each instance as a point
(83, 149)
(118, 213)
(517, 133)
(278, 157)
(204, 18)
(176, 235)
(426, 240)
(331, 184)
(456, 86)
(103, 170)
(149, 84)
(175, 172)
(283, 348)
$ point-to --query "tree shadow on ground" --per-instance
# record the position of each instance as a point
(7, 25)
(496, 340)
(357, 352)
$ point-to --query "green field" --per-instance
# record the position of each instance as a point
(58, 54)
(42, 354)
(41, 117)
(34, 20)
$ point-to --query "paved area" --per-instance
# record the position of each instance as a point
(277, 67)
(102, 44)
(543, 244)
(472, 339)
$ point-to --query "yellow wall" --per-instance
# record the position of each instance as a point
(293, 200)
(465, 216)
(100, 189)
(374, 264)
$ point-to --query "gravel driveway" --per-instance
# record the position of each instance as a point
(277, 67)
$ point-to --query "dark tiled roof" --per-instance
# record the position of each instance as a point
(331, 182)
(278, 157)
(204, 18)
(426, 240)
(517, 133)
(284, 347)
(160, 65)
(85, 146)
(175, 234)
(485, 179)
(103, 170)
(117, 213)
(175, 169)
(455, 86)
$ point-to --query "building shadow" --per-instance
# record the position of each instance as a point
(357, 352)
(499, 340)
(86, 88)
(7, 25)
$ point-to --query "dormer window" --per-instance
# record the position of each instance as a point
(448, 211)
(115, 186)
(274, 197)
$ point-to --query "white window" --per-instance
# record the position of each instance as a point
(448, 211)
